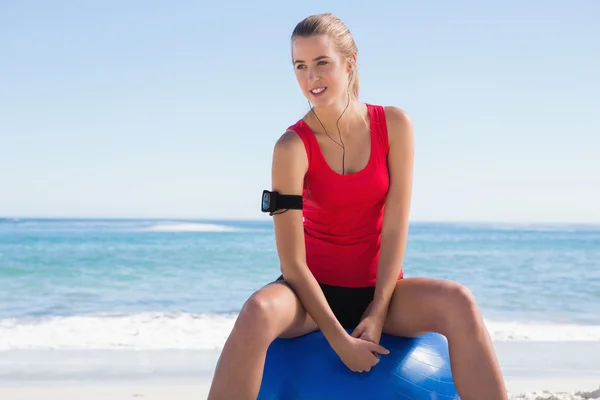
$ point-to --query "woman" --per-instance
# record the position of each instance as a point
(341, 255)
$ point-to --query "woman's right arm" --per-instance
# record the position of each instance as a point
(290, 164)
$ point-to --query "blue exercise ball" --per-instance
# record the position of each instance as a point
(307, 368)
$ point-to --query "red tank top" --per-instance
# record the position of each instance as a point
(343, 214)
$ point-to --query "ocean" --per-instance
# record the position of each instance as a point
(178, 284)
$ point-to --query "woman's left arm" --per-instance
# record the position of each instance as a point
(397, 209)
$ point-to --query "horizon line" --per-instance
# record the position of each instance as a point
(266, 218)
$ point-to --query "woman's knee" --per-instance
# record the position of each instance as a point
(257, 311)
(263, 314)
(460, 308)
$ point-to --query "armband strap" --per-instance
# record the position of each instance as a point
(273, 201)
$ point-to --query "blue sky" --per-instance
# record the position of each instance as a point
(171, 109)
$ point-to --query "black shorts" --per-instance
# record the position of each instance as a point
(347, 304)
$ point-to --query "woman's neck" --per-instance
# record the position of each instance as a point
(353, 114)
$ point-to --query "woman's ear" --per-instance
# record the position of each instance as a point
(351, 63)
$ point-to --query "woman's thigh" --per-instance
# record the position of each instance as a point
(421, 305)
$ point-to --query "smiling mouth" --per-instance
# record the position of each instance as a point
(318, 90)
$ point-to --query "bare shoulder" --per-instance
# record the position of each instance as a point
(400, 127)
(396, 115)
(290, 163)
(289, 149)
(289, 142)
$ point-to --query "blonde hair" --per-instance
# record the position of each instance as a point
(329, 24)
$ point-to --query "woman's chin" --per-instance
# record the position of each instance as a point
(322, 101)
(330, 103)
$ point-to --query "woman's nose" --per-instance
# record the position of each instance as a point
(312, 75)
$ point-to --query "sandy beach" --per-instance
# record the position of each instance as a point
(199, 391)
(519, 389)
(533, 371)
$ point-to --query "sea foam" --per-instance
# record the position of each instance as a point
(190, 227)
(147, 331)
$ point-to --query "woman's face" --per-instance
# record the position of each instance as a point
(321, 71)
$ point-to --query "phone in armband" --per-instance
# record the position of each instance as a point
(273, 201)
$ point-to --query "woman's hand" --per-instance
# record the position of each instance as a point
(357, 354)
(369, 329)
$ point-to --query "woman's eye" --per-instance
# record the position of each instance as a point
(319, 63)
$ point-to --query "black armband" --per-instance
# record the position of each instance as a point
(273, 201)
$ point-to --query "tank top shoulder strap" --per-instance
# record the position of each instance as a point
(379, 125)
